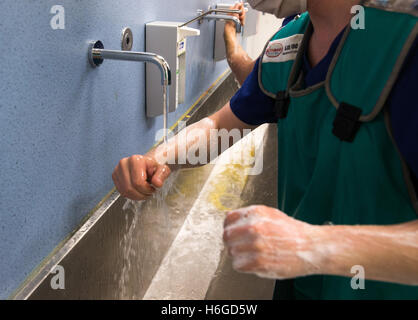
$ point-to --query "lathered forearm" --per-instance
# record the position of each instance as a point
(387, 253)
(271, 244)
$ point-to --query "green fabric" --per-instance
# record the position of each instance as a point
(323, 179)
(368, 58)
(271, 82)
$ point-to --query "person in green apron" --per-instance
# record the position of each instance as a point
(346, 224)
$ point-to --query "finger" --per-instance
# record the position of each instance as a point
(232, 217)
(240, 234)
(242, 14)
(138, 174)
(245, 262)
(246, 247)
(115, 178)
(126, 189)
(151, 165)
(235, 7)
(160, 175)
(133, 195)
(240, 7)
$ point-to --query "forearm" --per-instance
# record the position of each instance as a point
(137, 177)
(175, 153)
(239, 61)
(202, 141)
(387, 253)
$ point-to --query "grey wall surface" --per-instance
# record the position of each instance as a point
(64, 125)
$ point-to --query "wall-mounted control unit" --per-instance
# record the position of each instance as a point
(167, 39)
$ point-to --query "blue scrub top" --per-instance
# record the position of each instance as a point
(253, 107)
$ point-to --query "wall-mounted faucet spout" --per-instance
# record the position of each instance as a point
(238, 25)
(212, 14)
(97, 54)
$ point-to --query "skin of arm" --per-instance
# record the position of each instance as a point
(137, 177)
(266, 241)
(239, 61)
(269, 243)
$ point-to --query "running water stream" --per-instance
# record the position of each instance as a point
(202, 196)
(165, 111)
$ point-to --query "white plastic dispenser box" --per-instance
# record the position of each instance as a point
(168, 40)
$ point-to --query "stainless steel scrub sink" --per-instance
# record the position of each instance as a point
(169, 247)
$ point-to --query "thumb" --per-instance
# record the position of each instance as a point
(160, 175)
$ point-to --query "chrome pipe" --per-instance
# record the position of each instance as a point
(159, 61)
(238, 25)
(204, 14)
(98, 54)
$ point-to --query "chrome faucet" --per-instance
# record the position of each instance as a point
(97, 54)
(224, 17)
(212, 14)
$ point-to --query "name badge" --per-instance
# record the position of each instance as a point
(283, 50)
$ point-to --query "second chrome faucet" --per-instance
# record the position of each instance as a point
(217, 14)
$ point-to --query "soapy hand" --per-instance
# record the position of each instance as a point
(269, 243)
(137, 177)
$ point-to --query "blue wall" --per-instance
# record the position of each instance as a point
(64, 125)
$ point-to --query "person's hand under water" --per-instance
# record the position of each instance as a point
(138, 177)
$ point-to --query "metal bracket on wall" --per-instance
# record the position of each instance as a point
(202, 14)
(127, 39)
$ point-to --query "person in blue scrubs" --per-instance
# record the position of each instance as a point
(291, 248)
(252, 106)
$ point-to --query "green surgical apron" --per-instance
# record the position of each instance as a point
(338, 163)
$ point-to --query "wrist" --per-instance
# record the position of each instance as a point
(323, 247)
(330, 246)
(158, 154)
(164, 157)
(230, 32)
